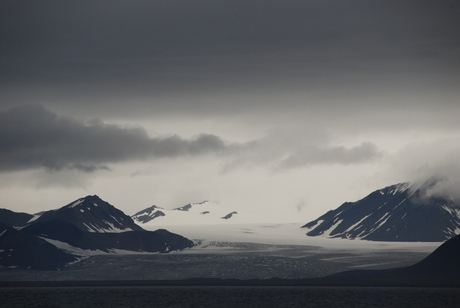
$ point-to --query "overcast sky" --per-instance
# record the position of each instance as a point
(280, 109)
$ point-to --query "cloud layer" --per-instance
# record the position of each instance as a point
(260, 99)
(333, 155)
(34, 137)
(437, 159)
(158, 54)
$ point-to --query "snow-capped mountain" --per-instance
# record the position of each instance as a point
(54, 238)
(206, 212)
(92, 214)
(148, 214)
(399, 212)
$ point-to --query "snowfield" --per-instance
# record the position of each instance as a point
(282, 234)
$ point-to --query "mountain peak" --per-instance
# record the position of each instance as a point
(204, 212)
(395, 189)
(148, 214)
(86, 201)
(148, 210)
(395, 213)
(190, 205)
(92, 214)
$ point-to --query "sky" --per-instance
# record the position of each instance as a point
(282, 110)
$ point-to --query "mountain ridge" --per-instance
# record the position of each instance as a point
(440, 268)
(399, 212)
(191, 213)
(89, 224)
(86, 213)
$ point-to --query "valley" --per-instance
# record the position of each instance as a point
(89, 239)
(225, 260)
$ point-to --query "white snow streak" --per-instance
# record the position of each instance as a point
(36, 216)
(79, 201)
(332, 228)
(356, 224)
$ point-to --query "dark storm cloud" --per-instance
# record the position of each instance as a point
(33, 137)
(157, 48)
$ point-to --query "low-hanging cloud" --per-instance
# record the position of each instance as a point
(332, 155)
(284, 152)
(33, 137)
(434, 161)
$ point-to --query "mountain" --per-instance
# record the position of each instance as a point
(14, 219)
(206, 212)
(57, 237)
(148, 214)
(400, 212)
(440, 268)
(19, 249)
(229, 215)
(61, 232)
(92, 214)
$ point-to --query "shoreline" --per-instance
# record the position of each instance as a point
(213, 282)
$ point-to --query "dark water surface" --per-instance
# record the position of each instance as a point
(229, 297)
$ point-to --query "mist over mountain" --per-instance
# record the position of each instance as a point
(401, 212)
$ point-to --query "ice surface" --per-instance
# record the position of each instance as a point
(281, 234)
(244, 251)
(72, 249)
(88, 252)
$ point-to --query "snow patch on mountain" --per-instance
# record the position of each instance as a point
(76, 203)
(206, 212)
(36, 216)
(91, 214)
(401, 212)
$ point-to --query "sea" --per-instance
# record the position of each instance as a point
(267, 297)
